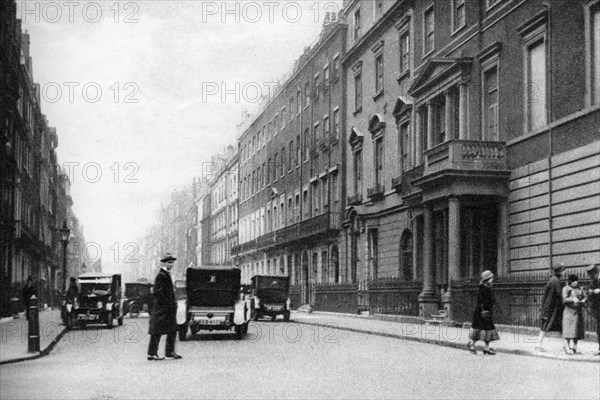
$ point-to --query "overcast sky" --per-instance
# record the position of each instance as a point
(151, 128)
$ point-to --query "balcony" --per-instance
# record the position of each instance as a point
(397, 184)
(465, 155)
(462, 167)
(376, 192)
(355, 200)
(322, 145)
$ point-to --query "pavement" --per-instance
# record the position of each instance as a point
(14, 336)
(513, 340)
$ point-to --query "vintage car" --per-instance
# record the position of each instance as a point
(138, 298)
(98, 301)
(270, 296)
(214, 301)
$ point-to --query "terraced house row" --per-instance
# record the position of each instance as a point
(418, 143)
(35, 197)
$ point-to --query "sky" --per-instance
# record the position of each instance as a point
(142, 93)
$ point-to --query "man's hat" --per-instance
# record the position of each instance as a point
(486, 276)
(168, 257)
(558, 268)
(73, 279)
(592, 269)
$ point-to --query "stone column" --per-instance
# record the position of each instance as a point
(454, 246)
(428, 302)
(503, 267)
(462, 109)
(429, 125)
(448, 115)
(414, 226)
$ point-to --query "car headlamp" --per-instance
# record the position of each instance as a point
(99, 304)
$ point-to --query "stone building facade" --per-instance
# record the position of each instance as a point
(292, 172)
(34, 190)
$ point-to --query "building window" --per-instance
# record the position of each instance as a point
(292, 109)
(306, 144)
(334, 187)
(594, 55)
(358, 172)
(269, 172)
(315, 137)
(282, 161)
(458, 14)
(317, 87)
(326, 129)
(336, 124)
(326, 76)
(379, 74)
(291, 155)
(373, 253)
(262, 177)
(406, 256)
(429, 30)
(316, 197)
(404, 51)
(378, 8)
(298, 150)
(336, 68)
(490, 101)
(356, 31)
(405, 146)
(275, 161)
(299, 102)
(358, 91)
(378, 158)
(306, 94)
(283, 117)
(536, 85)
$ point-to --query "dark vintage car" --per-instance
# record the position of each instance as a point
(214, 301)
(138, 298)
(98, 301)
(270, 294)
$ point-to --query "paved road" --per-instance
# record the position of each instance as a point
(286, 360)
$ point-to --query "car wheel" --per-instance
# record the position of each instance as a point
(245, 330)
(273, 317)
(286, 316)
(193, 330)
(120, 320)
(134, 310)
(109, 320)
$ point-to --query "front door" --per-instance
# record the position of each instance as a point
(305, 279)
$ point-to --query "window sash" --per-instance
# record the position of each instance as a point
(536, 85)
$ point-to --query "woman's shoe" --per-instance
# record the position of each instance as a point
(568, 350)
(472, 348)
(489, 352)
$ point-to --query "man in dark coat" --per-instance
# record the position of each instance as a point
(594, 297)
(163, 319)
(28, 291)
(552, 305)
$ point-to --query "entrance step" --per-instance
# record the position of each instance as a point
(306, 308)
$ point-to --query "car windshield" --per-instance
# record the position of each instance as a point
(96, 289)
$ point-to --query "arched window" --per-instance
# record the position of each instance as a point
(335, 265)
(406, 256)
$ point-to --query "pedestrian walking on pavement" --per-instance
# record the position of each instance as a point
(593, 272)
(163, 320)
(483, 321)
(28, 291)
(572, 324)
(552, 305)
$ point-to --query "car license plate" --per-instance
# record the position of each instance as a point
(274, 308)
(88, 317)
(211, 321)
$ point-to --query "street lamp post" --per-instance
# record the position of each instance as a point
(65, 232)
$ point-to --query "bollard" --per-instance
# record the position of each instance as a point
(33, 333)
(14, 303)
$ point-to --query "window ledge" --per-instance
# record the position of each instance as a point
(378, 95)
(403, 75)
(425, 55)
(457, 30)
(357, 110)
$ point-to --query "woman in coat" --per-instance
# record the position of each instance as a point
(552, 305)
(483, 324)
(572, 323)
